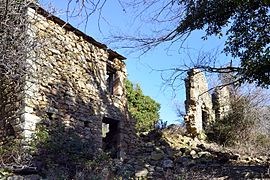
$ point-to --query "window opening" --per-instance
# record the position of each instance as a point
(110, 78)
(50, 115)
(86, 124)
(10, 130)
(110, 137)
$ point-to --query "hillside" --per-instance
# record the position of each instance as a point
(169, 154)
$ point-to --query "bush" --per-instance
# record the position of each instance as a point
(235, 126)
(143, 109)
(246, 124)
(263, 140)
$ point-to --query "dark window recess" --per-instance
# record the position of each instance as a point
(110, 137)
(110, 78)
(217, 113)
(86, 124)
(10, 130)
(50, 115)
(204, 119)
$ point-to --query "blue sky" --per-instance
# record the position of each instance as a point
(142, 69)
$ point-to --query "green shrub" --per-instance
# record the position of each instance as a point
(242, 127)
(235, 126)
(143, 108)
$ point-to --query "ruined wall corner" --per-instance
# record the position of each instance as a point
(203, 108)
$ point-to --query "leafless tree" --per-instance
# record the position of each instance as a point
(247, 123)
(172, 22)
(15, 47)
(84, 9)
(13, 51)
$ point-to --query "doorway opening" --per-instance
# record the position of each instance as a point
(110, 136)
(204, 119)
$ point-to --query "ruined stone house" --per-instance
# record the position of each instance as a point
(76, 81)
(203, 108)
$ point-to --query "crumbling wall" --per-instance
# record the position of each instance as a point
(221, 102)
(70, 83)
(203, 108)
(198, 102)
(66, 85)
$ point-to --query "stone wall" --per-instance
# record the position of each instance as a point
(13, 43)
(221, 101)
(67, 82)
(203, 108)
(199, 110)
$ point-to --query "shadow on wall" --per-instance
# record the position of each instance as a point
(69, 138)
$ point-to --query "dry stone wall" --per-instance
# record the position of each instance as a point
(202, 108)
(67, 82)
(13, 43)
(198, 102)
(221, 102)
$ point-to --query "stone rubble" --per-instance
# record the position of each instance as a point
(67, 82)
(170, 154)
(167, 154)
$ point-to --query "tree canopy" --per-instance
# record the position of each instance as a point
(143, 108)
(248, 32)
(245, 23)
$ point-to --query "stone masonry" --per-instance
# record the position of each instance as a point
(221, 101)
(202, 108)
(75, 80)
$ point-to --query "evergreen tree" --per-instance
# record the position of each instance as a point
(143, 108)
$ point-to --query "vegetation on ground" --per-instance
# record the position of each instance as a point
(246, 126)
